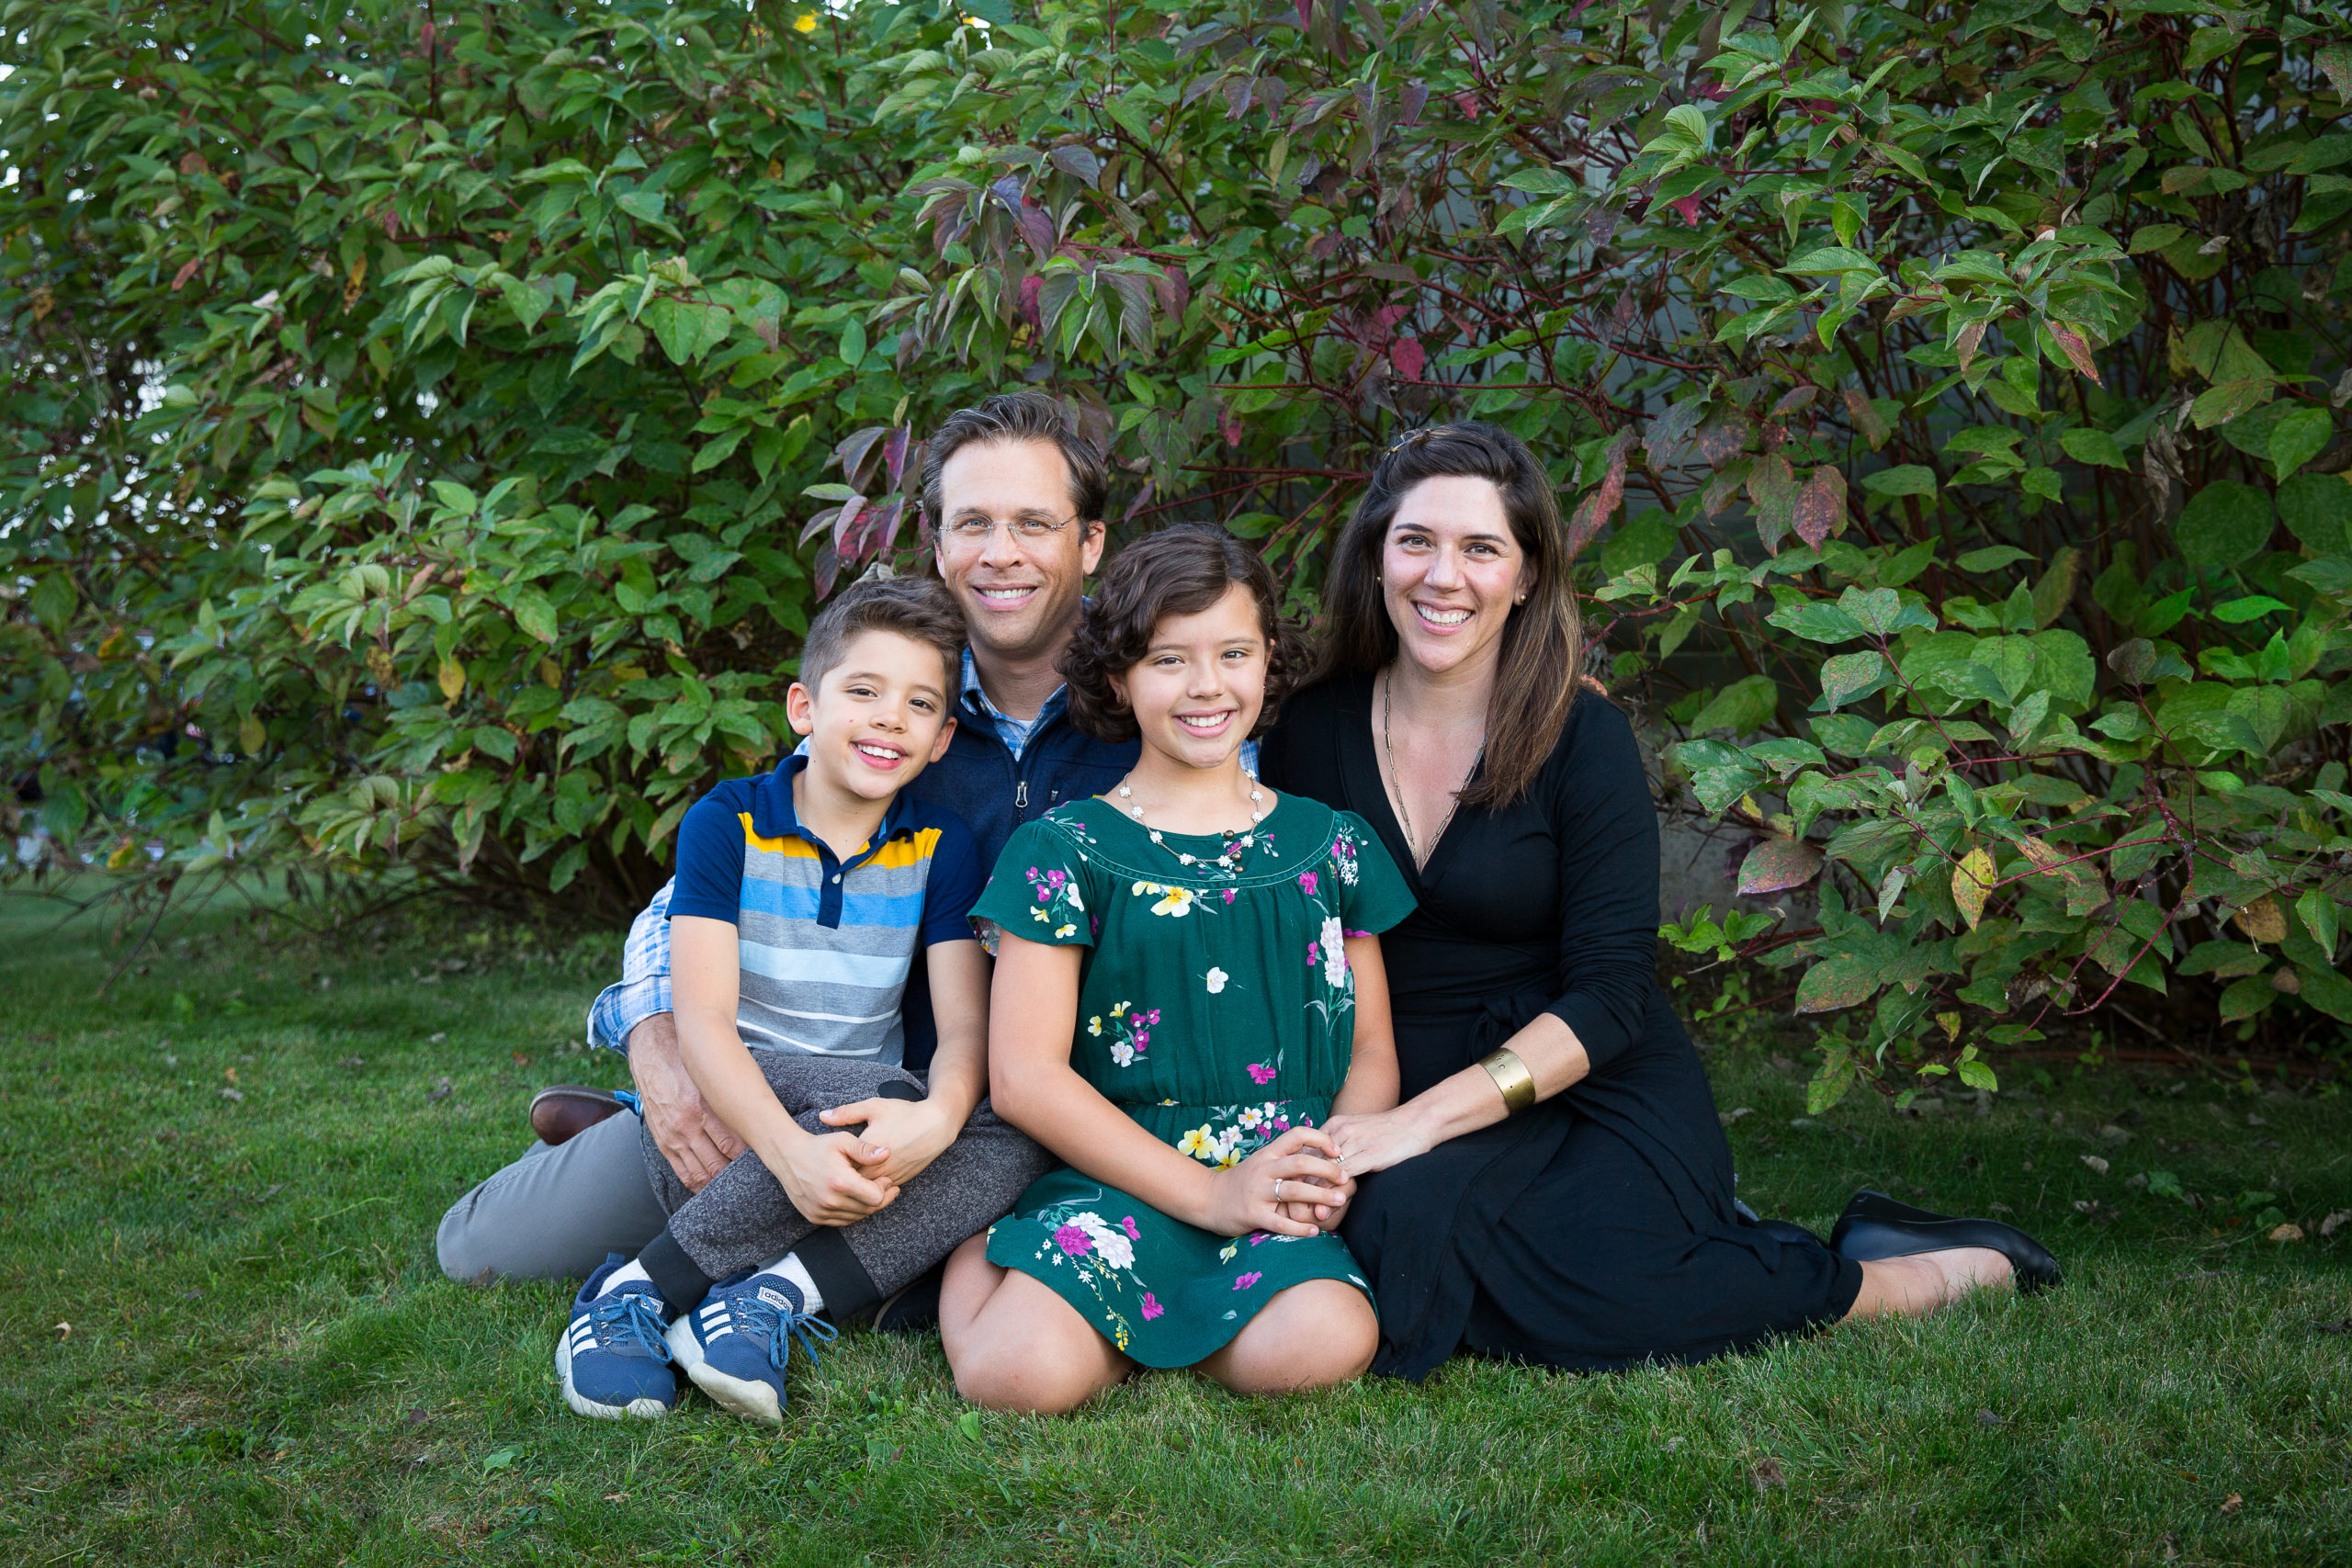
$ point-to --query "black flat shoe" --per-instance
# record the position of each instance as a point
(563, 1112)
(1875, 1226)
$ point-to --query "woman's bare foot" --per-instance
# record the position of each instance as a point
(1917, 1285)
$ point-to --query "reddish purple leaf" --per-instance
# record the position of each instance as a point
(827, 569)
(1688, 206)
(1720, 440)
(1175, 291)
(1410, 102)
(1866, 418)
(819, 524)
(1778, 864)
(894, 455)
(854, 449)
(2077, 350)
(1409, 358)
(1031, 286)
(846, 520)
(1601, 504)
(1305, 15)
(1797, 398)
(1821, 506)
(1772, 487)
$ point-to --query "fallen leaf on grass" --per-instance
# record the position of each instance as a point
(2233, 1503)
(1768, 1476)
(232, 1094)
(2098, 1165)
(2335, 1221)
(521, 1059)
(2342, 1328)
(1986, 1419)
(616, 1496)
(441, 1091)
(352, 1064)
(499, 1459)
(2286, 1233)
(437, 1036)
(63, 1330)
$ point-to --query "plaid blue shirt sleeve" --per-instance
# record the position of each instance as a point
(644, 987)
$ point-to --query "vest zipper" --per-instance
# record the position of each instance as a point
(1021, 795)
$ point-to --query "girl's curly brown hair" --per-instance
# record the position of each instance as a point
(1179, 571)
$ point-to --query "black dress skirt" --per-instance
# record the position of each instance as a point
(1595, 1231)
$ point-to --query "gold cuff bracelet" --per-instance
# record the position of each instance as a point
(1511, 1076)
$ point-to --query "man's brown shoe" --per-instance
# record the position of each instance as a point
(567, 1109)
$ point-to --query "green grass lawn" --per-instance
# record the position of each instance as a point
(225, 1174)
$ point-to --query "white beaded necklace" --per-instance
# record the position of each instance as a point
(1236, 840)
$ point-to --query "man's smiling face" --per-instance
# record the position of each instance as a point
(1020, 596)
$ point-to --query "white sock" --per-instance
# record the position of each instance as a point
(791, 1268)
(632, 1270)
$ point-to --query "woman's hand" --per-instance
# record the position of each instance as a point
(1379, 1139)
(1243, 1199)
(1324, 1209)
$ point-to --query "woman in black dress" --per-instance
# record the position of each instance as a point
(1555, 1186)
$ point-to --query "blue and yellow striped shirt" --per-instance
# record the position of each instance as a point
(826, 944)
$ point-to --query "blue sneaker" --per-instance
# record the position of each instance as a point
(612, 1358)
(735, 1344)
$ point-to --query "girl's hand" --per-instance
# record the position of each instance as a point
(1323, 1208)
(1377, 1139)
(1243, 1199)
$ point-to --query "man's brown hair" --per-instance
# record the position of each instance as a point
(914, 608)
(1179, 571)
(1019, 416)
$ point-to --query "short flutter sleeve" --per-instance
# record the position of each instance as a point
(1373, 895)
(1041, 890)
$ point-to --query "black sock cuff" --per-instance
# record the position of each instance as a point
(848, 1288)
(679, 1277)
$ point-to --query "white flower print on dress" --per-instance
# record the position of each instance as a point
(1216, 980)
(1110, 1244)
(1334, 944)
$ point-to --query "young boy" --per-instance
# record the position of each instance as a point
(801, 899)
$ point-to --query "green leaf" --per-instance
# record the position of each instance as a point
(1851, 675)
(1993, 560)
(1744, 707)
(534, 614)
(1817, 621)
(2299, 434)
(1845, 981)
(2317, 509)
(1910, 478)
(2094, 446)
(2249, 609)
(2225, 523)
(2316, 909)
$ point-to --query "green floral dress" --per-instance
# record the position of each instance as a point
(1217, 1007)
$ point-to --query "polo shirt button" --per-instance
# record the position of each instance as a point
(837, 877)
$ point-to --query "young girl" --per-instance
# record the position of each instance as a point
(1188, 984)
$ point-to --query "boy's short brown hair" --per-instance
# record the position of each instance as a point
(1179, 571)
(914, 608)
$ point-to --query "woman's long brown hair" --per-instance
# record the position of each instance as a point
(1542, 652)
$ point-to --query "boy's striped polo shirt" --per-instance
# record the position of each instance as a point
(826, 944)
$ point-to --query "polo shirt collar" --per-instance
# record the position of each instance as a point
(774, 817)
(975, 696)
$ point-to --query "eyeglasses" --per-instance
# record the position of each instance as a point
(974, 530)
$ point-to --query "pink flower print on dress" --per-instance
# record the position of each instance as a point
(1128, 1225)
(1229, 895)
(1074, 1241)
(1248, 1279)
(1260, 1073)
(1151, 1307)
(1307, 880)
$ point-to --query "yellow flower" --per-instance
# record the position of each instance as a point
(806, 22)
(1176, 901)
(1119, 1010)
(1094, 1024)
(1060, 932)
(1035, 914)
(1198, 1143)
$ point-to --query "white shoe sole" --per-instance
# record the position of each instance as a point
(648, 1409)
(752, 1400)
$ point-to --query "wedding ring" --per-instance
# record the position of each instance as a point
(1278, 1188)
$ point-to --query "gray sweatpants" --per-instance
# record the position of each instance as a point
(741, 1217)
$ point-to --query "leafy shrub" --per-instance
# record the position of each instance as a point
(1950, 394)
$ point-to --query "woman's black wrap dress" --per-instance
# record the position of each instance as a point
(1595, 1231)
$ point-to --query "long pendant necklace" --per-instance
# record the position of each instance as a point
(1404, 818)
(1235, 840)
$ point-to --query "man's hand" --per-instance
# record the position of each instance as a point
(827, 1177)
(689, 1133)
(908, 1134)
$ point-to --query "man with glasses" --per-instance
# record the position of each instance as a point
(1015, 496)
